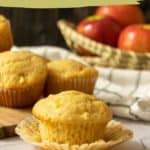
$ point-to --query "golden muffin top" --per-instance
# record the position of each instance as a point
(21, 68)
(68, 68)
(6, 38)
(3, 19)
(72, 106)
(4, 22)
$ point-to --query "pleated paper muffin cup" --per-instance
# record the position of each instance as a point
(115, 133)
(83, 84)
(71, 133)
(21, 97)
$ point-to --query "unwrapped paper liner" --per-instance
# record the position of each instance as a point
(115, 134)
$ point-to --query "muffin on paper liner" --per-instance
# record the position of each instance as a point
(67, 74)
(22, 78)
(71, 117)
(115, 133)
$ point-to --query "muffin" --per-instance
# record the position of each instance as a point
(71, 117)
(22, 78)
(6, 39)
(67, 74)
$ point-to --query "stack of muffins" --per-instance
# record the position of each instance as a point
(67, 114)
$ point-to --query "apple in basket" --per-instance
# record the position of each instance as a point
(101, 28)
(135, 38)
(124, 14)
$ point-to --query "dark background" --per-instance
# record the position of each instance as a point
(38, 26)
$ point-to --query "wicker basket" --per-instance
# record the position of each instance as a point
(106, 55)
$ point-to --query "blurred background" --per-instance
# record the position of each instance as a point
(38, 26)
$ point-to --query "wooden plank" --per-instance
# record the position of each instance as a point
(9, 118)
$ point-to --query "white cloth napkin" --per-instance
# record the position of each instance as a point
(126, 91)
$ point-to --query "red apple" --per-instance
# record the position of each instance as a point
(84, 52)
(101, 29)
(135, 38)
(124, 14)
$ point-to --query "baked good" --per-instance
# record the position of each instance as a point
(67, 74)
(22, 78)
(6, 39)
(71, 117)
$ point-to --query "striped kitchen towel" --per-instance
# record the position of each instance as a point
(126, 91)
